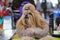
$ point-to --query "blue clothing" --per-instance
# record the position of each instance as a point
(56, 13)
(38, 6)
(1, 21)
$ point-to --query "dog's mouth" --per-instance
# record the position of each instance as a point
(26, 17)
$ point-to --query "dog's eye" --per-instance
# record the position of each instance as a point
(30, 13)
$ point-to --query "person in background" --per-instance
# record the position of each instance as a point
(58, 23)
(44, 8)
(1, 15)
(6, 3)
(56, 14)
(1, 8)
(38, 6)
(16, 17)
(7, 9)
(17, 3)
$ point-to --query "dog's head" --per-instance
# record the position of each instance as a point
(28, 14)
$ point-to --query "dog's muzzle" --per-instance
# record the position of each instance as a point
(26, 17)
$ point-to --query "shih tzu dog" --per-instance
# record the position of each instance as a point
(31, 20)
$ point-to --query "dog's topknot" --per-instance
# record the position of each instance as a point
(30, 6)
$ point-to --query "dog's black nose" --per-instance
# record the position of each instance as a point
(26, 17)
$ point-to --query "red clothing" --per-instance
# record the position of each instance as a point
(1, 3)
(1, 14)
(1, 8)
(6, 12)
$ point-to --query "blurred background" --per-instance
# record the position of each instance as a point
(50, 5)
(12, 11)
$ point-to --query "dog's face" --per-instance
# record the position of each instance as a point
(28, 16)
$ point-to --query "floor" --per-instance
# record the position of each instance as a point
(7, 29)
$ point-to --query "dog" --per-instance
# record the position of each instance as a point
(31, 19)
